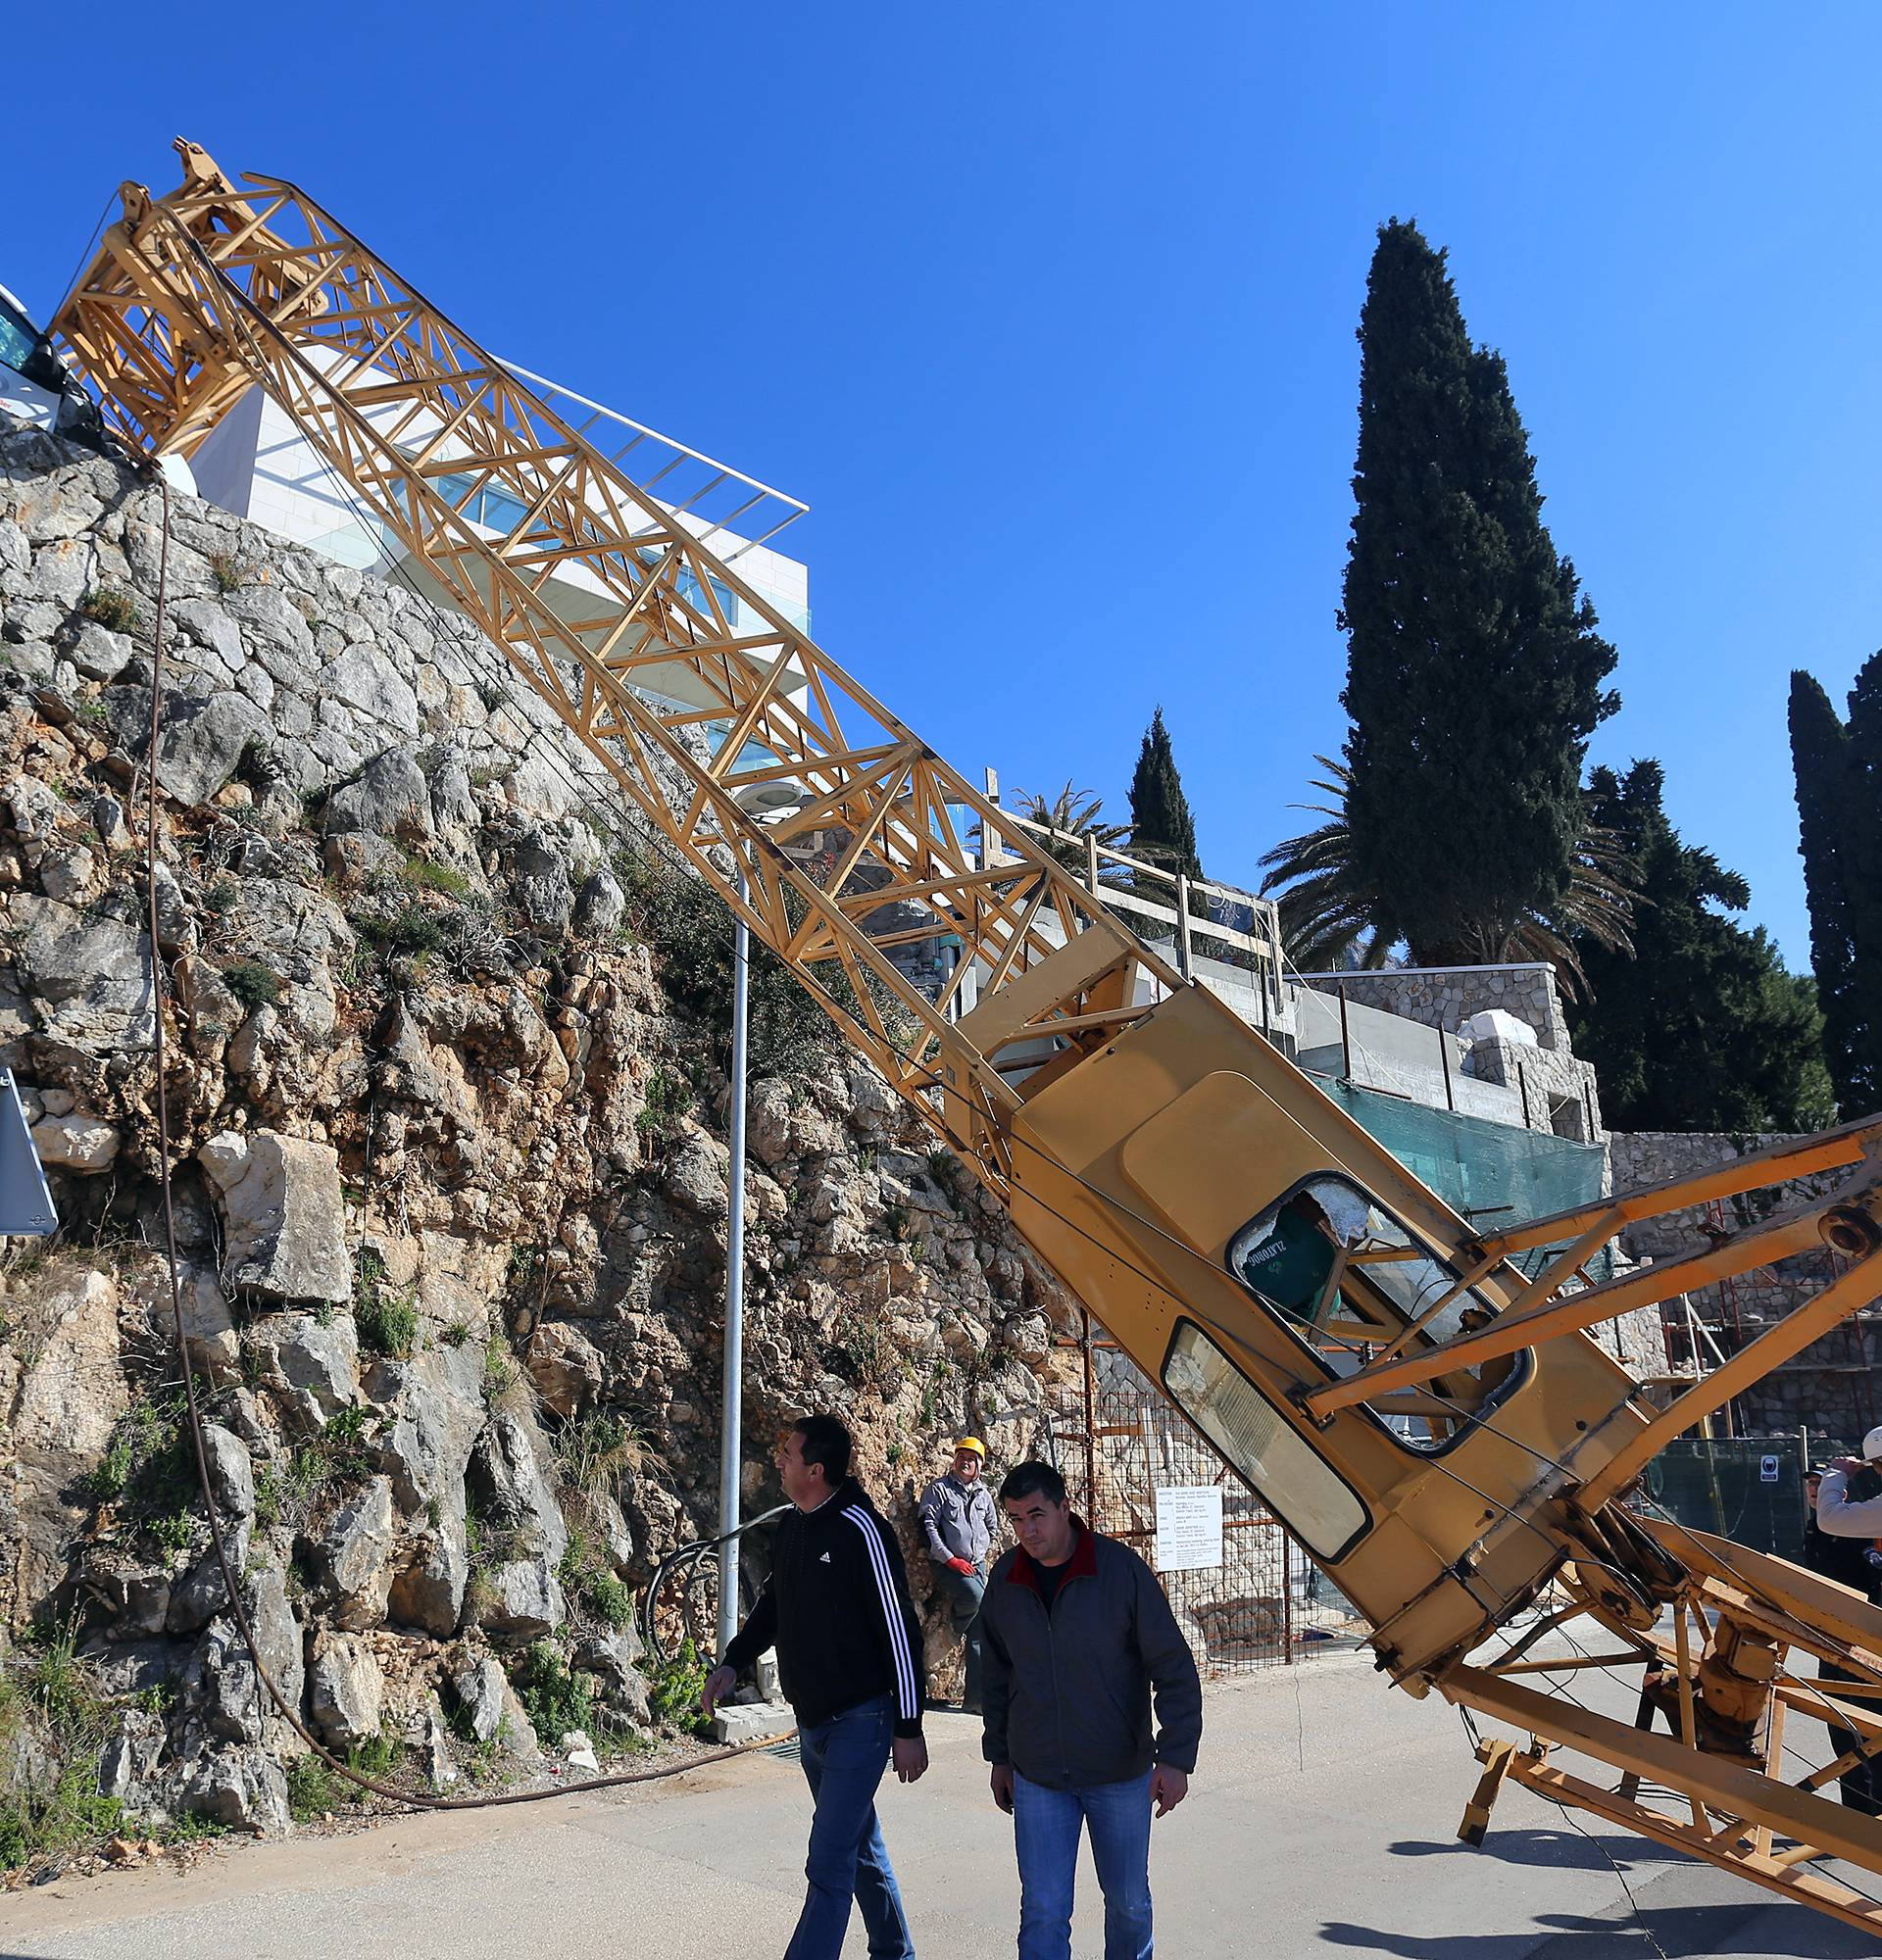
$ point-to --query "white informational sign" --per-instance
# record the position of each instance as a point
(1767, 1469)
(1189, 1528)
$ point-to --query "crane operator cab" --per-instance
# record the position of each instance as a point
(38, 390)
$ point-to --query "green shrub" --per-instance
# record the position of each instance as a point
(53, 1800)
(555, 1699)
(612, 1601)
(422, 875)
(666, 1098)
(594, 1450)
(673, 1690)
(310, 1788)
(686, 923)
(387, 1317)
(253, 984)
(111, 607)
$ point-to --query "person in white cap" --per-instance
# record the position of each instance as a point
(1849, 1500)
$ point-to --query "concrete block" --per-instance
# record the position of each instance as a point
(752, 1721)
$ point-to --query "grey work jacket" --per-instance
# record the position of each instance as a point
(957, 1521)
(1842, 1516)
(1066, 1695)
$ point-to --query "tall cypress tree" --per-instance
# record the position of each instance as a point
(1474, 672)
(1162, 828)
(1700, 1028)
(1826, 796)
(1860, 850)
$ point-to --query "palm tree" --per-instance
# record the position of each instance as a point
(1331, 910)
(1078, 815)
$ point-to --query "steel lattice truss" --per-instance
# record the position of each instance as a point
(265, 287)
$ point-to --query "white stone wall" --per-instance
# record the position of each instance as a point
(1445, 997)
(1830, 1388)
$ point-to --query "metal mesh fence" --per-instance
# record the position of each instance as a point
(1265, 1604)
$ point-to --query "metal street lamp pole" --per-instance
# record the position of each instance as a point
(731, 1447)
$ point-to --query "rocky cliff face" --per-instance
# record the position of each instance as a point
(445, 1087)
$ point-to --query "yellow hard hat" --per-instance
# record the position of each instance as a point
(972, 1443)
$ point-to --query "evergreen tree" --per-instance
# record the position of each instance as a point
(1162, 828)
(1820, 760)
(1474, 672)
(1702, 1028)
(1861, 852)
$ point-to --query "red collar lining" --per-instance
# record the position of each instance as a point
(1082, 1564)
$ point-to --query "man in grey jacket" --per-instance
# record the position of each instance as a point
(959, 1520)
(1077, 1634)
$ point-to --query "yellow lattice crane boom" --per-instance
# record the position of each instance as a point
(1436, 1427)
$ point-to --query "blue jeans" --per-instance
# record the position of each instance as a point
(843, 1762)
(966, 1591)
(1045, 1834)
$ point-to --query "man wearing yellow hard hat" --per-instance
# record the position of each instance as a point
(959, 1520)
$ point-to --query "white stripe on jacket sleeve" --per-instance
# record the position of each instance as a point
(891, 1612)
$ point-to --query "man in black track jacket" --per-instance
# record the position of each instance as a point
(848, 1652)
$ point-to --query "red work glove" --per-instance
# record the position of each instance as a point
(963, 1566)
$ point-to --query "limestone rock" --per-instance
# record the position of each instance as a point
(98, 653)
(389, 797)
(283, 1207)
(430, 1592)
(539, 870)
(525, 1600)
(601, 903)
(90, 976)
(696, 1171)
(231, 1477)
(206, 621)
(67, 874)
(354, 1553)
(438, 1411)
(86, 1144)
(130, 1761)
(71, 1397)
(613, 1659)
(202, 1592)
(354, 859)
(245, 1789)
(519, 1499)
(480, 1686)
(309, 1365)
(442, 1771)
(268, 619)
(565, 1365)
(202, 740)
(345, 1689)
(375, 694)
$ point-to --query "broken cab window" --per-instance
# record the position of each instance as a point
(1354, 1283)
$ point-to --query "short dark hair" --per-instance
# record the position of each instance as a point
(1032, 1476)
(825, 1441)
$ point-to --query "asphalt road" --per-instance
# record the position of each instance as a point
(1320, 1821)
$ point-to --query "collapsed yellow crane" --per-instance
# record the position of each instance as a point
(1436, 1429)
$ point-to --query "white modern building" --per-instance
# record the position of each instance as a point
(257, 463)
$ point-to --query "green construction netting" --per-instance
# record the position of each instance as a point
(1749, 1489)
(1493, 1173)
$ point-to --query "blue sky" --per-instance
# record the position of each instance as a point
(1048, 312)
